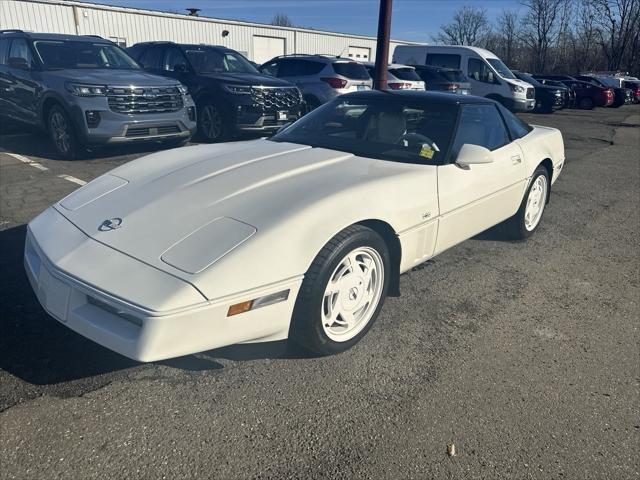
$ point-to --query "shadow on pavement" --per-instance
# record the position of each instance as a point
(33, 346)
(32, 142)
(37, 349)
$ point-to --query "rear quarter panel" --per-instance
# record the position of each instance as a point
(540, 144)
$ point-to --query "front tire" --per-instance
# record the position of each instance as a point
(212, 126)
(63, 134)
(529, 215)
(342, 293)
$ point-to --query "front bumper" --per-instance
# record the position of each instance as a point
(119, 128)
(250, 120)
(116, 301)
(521, 104)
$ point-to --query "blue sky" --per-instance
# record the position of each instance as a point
(413, 20)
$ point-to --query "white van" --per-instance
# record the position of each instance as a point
(489, 77)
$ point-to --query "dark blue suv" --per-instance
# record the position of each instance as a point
(86, 91)
(230, 94)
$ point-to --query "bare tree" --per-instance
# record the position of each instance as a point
(469, 27)
(584, 48)
(618, 22)
(541, 27)
(507, 33)
(281, 20)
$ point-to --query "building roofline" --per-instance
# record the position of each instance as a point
(157, 13)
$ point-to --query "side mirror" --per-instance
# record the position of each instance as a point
(473, 155)
(180, 68)
(18, 62)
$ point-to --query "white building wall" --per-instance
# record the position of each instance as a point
(133, 26)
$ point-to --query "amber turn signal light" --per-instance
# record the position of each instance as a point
(240, 308)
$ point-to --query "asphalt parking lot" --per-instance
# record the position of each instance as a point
(524, 355)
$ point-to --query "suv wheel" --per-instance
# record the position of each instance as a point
(63, 134)
(211, 124)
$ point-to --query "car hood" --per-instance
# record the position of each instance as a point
(103, 76)
(521, 83)
(152, 204)
(256, 79)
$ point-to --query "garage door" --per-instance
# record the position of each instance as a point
(265, 48)
(360, 54)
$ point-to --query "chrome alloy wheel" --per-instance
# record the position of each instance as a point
(60, 133)
(352, 294)
(535, 203)
(211, 122)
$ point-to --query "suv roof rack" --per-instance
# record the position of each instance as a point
(303, 55)
(12, 30)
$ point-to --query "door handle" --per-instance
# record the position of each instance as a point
(516, 159)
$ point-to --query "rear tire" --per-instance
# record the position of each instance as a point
(63, 135)
(529, 215)
(342, 292)
(586, 103)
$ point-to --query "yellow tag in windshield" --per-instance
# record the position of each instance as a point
(426, 151)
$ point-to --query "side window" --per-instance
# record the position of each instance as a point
(270, 69)
(151, 58)
(480, 71)
(288, 68)
(4, 50)
(312, 68)
(517, 128)
(20, 49)
(173, 59)
(447, 60)
(480, 125)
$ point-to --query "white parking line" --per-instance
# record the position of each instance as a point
(39, 166)
(24, 159)
(72, 179)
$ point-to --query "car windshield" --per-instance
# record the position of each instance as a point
(80, 55)
(210, 60)
(395, 129)
(501, 68)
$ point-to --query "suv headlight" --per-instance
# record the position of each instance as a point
(238, 89)
(83, 90)
(182, 89)
(516, 88)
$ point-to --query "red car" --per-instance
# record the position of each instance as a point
(589, 95)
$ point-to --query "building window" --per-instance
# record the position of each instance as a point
(120, 41)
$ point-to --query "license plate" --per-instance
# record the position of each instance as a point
(282, 115)
(362, 87)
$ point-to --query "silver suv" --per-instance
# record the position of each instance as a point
(320, 77)
(86, 91)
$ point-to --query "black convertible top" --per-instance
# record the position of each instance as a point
(421, 97)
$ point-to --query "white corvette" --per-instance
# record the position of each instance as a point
(302, 235)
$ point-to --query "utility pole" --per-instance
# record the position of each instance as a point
(382, 48)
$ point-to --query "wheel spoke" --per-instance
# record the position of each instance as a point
(352, 294)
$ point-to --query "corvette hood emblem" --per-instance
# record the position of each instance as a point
(110, 224)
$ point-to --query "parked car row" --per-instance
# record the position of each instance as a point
(85, 91)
